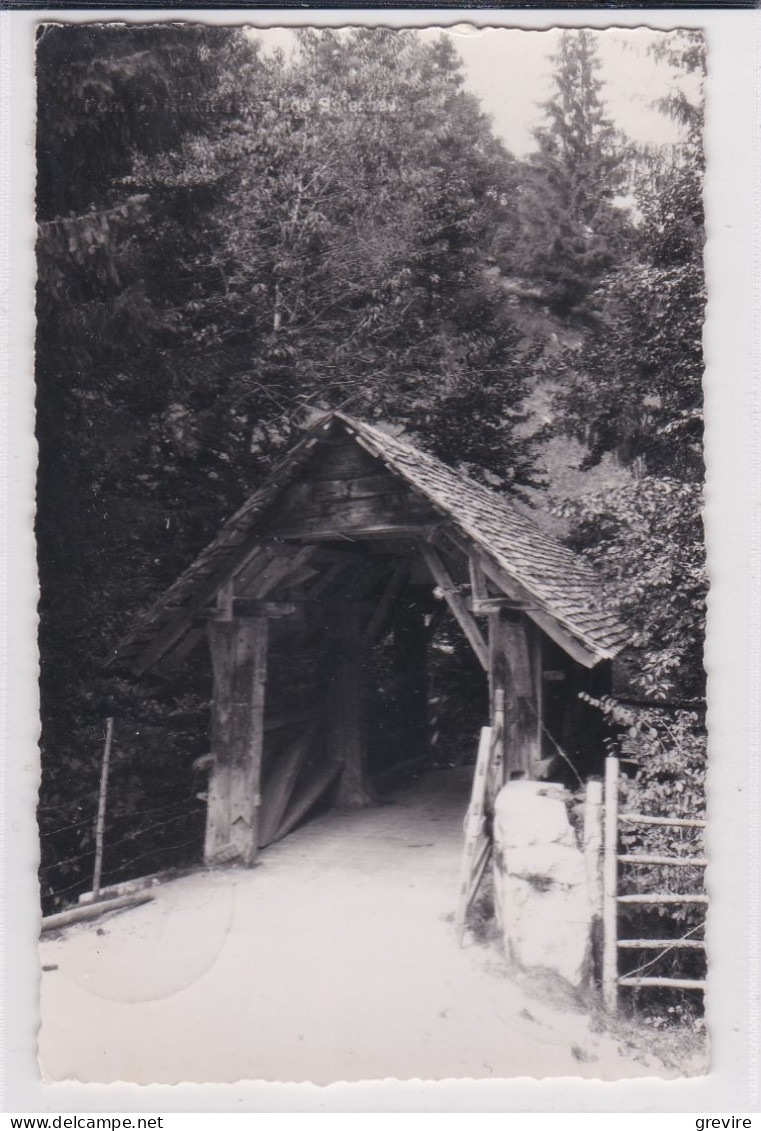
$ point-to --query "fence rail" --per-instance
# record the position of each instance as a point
(643, 819)
(613, 859)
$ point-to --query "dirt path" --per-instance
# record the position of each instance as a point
(335, 959)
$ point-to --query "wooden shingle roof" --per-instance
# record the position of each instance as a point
(561, 583)
(559, 587)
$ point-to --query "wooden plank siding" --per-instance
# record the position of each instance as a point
(397, 510)
(339, 457)
(346, 491)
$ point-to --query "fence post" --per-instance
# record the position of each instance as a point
(610, 888)
(101, 821)
(592, 846)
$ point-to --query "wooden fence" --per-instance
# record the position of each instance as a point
(613, 861)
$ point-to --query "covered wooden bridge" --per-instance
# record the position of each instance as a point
(357, 538)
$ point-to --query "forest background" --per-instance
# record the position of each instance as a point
(232, 240)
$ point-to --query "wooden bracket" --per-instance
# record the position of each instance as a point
(478, 588)
(518, 593)
(183, 616)
(457, 604)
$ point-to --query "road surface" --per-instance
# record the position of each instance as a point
(334, 959)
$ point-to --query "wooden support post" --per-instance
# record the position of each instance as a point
(496, 764)
(536, 704)
(101, 821)
(592, 845)
(610, 886)
(344, 724)
(512, 669)
(477, 844)
(239, 660)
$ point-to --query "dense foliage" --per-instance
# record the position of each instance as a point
(230, 240)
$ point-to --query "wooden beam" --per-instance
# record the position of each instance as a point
(182, 618)
(678, 822)
(455, 601)
(313, 492)
(248, 721)
(327, 530)
(217, 836)
(610, 887)
(670, 861)
(318, 783)
(276, 571)
(536, 652)
(669, 983)
(476, 839)
(279, 786)
(661, 944)
(592, 841)
(93, 910)
(346, 515)
(494, 604)
(663, 897)
(253, 566)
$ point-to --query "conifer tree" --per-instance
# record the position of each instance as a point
(569, 226)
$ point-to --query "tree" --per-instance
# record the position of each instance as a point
(570, 229)
(351, 247)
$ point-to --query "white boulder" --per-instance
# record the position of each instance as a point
(540, 881)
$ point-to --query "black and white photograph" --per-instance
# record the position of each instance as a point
(369, 520)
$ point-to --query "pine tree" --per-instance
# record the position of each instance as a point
(569, 226)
